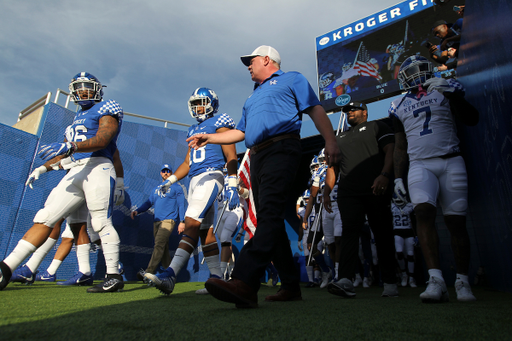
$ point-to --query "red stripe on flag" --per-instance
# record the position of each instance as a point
(244, 172)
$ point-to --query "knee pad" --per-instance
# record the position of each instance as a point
(399, 255)
(329, 239)
(458, 207)
(44, 216)
(225, 244)
(108, 235)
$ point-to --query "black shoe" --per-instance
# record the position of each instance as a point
(140, 275)
(5, 275)
(110, 284)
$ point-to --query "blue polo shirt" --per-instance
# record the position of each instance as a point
(276, 106)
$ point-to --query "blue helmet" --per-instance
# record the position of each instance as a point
(86, 84)
(321, 156)
(203, 97)
(314, 164)
(414, 71)
(306, 194)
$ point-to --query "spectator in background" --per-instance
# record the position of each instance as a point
(169, 208)
(449, 35)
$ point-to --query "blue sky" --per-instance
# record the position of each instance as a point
(153, 54)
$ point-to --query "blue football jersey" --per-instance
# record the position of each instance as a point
(86, 123)
(210, 157)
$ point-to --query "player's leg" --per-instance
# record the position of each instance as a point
(203, 190)
(409, 250)
(63, 199)
(400, 258)
(423, 190)
(453, 200)
(99, 194)
(229, 226)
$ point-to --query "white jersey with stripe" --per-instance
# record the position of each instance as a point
(402, 217)
(86, 123)
(428, 124)
(210, 157)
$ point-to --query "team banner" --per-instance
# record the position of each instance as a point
(360, 61)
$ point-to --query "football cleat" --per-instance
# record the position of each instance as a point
(78, 279)
(23, 275)
(404, 279)
(164, 282)
(436, 291)
(464, 293)
(390, 290)
(412, 282)
(357, 281)
(367, 282)
(5, 275)
(140, 275)
(343, 287)
(110, 284)
(45, 277)
(202, 291)
(326, 278)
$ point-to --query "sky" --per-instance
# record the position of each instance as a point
(153, 54)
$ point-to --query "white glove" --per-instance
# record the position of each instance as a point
(35, 175)
(399, 190)
(119, 192)
(439, 84)
(299, 245)
(165, 186)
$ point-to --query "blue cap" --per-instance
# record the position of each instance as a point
(166, 166)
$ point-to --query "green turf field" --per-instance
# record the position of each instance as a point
(49, 312)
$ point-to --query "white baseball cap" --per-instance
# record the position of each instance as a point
(262, 51)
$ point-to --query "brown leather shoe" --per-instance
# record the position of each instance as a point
(233, 291)
(284, 295)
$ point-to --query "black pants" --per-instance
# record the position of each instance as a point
(378, 211)
(273, 172)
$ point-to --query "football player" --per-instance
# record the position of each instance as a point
(204, 167)
(404, 239)
(426, 137)
(91, 143)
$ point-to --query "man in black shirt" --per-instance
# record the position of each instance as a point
(363, 189)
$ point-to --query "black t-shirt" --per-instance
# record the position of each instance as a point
(362, 156)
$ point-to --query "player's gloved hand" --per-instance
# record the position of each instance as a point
(119, 192)
(49, 151)
(238, 237)
(35, 175)
(165, 186)
(439, 84)
(232, 194)
(400, 192)
(299, 245)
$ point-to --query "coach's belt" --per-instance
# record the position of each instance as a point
(267, 143)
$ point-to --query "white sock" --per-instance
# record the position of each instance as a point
(436, 273)
(179, 261)
(18, 255)
(82, 254)
(223, 267)
(110, 242)
(41, 252)
(318, 274)
(464, 278)
(309, 271)
(54, 266)
(213, 263)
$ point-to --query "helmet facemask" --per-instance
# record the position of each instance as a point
(414, 73)
(85, 91)
(203, 104)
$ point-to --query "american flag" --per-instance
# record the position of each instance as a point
(363, 65)
(244, 173)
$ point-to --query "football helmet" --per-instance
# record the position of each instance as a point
(325, 79)
(398, 201)
(85, 89)
(414, 71)
(314, 164)
(203, 98)
(321, 156)
(306, 194)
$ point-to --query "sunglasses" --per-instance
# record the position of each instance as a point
(165, 171)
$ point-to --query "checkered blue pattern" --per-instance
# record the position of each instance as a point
(225, 120)
(113, 107)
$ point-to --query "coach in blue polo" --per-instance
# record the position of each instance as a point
(270, 124)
